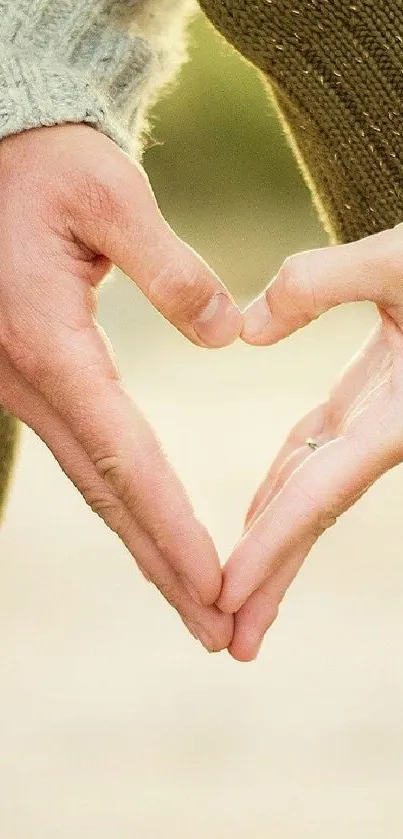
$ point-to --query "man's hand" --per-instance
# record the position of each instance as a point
(71, 206)
(336, 452)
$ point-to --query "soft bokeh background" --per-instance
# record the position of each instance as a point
(114, 722)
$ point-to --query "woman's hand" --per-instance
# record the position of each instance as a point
(71, 206)
(339, 449)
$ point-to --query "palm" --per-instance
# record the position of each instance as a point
(360, 436)
(367, 401)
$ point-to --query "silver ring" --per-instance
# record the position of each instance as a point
(313, 444)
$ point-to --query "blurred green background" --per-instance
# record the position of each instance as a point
(222, 169)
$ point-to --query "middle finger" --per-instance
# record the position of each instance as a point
(213, 628)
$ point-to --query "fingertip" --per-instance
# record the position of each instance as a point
(194, 556)
(224, 606)
(220, 322)
(227, 627)
(244, 651)
(241, 657)
(260, 340)
(257, 320)
(207, 591)
(238, 583)
(220, 632)
(229, 602)
(248, 638)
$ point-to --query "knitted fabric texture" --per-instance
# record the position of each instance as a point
(335, 73)
(92, 61)
(101, 62)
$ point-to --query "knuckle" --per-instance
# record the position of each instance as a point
(321, 516)
(171, 532)
(325, 519)
(107, 508)
(104, 504)
(297, 286)
(125, 477)
(179, 289)
(112, 471)
(261, 538)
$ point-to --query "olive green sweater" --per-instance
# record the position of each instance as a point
(334, 70)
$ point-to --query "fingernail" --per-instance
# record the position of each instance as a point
(220, 322)
(257, 318)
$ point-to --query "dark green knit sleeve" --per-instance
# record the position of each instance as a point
(335, 73)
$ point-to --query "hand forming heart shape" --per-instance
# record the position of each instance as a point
(357, 432)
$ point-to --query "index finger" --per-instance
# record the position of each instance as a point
(75, 374)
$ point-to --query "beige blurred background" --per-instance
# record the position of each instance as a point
(114, 722)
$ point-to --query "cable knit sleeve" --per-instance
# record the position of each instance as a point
(334, 74)
(94, 61)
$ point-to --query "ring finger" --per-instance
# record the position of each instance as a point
(311, 426)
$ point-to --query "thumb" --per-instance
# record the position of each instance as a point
(113, 211)
(311, 282)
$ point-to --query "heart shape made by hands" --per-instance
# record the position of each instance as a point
(334, 75)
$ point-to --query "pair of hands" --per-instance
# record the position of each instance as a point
(72, 206)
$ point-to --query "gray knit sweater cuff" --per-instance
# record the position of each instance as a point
(34, 94)
(79, 61)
